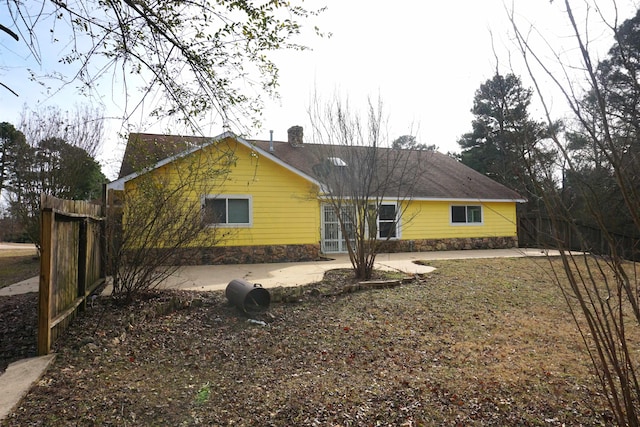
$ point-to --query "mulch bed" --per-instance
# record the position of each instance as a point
(19, 320)
(18, 328)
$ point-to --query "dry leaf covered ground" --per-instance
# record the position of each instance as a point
(477, 342)
(18, 314)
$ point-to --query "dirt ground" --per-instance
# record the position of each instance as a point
(18, 328)
(477, 342)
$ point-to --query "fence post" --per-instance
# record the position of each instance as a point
(82, 264)
(47, 217)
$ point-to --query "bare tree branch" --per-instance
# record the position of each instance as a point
(366, 184)
(602, 292)
(202, 54)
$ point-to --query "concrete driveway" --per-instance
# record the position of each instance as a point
(208, 277)
(217, 277)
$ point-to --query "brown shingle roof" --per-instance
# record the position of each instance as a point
(147, 149)
(437, 176)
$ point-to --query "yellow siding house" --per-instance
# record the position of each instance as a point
(267, 198)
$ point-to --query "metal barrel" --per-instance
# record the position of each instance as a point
(248, 297)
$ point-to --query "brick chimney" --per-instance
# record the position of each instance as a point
(295, 136)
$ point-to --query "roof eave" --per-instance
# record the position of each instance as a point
(440, 199)
(468, 199)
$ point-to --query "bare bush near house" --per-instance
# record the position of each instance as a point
(160, 217)
(606, 288)
(362, 176)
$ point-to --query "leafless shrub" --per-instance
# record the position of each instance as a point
(366, 184)
(601, 286)
(157, 221)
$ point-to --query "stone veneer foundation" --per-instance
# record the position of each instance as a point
(293, 253)
(247, 254)
(430, 245)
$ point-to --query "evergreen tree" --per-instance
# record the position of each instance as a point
(504, 140)
(52, 167)
(409, 142)
(12, 144)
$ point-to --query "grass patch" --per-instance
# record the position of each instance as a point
(203, 394)
(17, 265)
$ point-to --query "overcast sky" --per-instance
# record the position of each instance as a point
(424, 59)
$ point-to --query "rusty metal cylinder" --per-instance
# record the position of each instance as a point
(248, 297)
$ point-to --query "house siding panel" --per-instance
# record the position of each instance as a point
(286, 221)
(431, 220)
(279, 217)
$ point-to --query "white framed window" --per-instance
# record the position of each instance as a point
(466, 214)
(227, 210)
(387, 222)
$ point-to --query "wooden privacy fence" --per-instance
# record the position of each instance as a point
(71, 263)
(544, 232)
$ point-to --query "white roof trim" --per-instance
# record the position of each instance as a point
(118, 184)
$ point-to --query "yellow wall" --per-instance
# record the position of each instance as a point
(286, 210)
(279, 217)
(431, 220)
